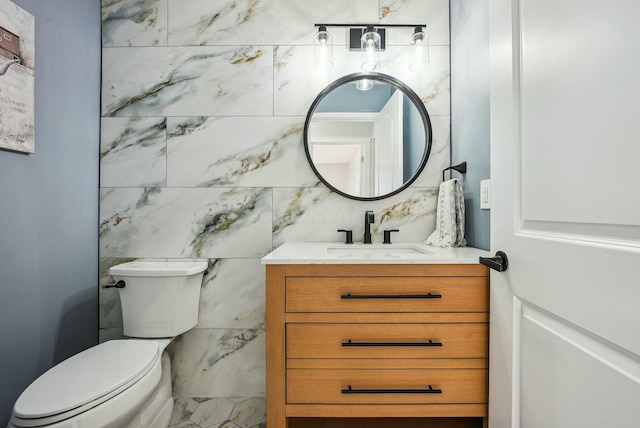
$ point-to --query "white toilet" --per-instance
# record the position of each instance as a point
(122, 383)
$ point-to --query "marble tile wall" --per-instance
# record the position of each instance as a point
(203, 108)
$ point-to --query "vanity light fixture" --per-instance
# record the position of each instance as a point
(323, 48)
(370, 40)
(419, 49)
(370, 49)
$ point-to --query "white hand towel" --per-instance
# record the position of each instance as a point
(449, 216)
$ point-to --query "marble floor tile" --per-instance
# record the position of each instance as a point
(219, 412)
(186, 424)
(183, 408)
(249, 413)
(212, 413)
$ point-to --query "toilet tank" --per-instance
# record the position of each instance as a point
(159, 298)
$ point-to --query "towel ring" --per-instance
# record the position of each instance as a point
(461, 168)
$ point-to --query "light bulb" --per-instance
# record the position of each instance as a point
(364, 84)
(419, 49)
(323, 48)
(370, 45)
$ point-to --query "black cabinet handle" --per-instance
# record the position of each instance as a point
(429, 343)
(429, 390)
(391, 296)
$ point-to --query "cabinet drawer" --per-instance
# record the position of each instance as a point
(386, 294)
(387, 386)
(387, 340)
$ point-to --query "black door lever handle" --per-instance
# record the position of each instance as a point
(500, 262)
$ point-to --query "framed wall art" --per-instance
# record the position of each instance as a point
(17, 78)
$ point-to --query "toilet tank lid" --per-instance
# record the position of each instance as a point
(86, 377)
(159, 268)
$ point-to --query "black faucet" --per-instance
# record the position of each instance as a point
(368, 219)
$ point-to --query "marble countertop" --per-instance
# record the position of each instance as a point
(359, 253)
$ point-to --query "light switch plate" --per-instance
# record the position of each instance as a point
(485, 195)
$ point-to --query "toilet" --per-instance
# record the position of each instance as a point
(122, 383)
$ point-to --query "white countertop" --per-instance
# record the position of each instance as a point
(359, 253)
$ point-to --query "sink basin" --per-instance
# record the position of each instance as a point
(377, 249)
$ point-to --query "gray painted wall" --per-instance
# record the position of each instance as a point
(49, 204)
(470, 108)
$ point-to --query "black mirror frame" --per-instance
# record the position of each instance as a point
(408, 92)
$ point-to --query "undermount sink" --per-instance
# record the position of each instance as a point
(376, 249)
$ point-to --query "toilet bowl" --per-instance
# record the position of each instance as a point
(121, 383)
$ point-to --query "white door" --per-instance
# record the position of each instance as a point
(388, 139)
(565, 154)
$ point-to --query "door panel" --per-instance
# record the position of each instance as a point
(555, 390)
(595, 288)
(577, 82)
(565, 348)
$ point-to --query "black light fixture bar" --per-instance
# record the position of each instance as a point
(357, 30)
(373, 25)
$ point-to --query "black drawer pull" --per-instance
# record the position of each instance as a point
(391, 296)
(430, 390)
(429, 343)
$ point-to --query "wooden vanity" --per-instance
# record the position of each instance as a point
(354, 342)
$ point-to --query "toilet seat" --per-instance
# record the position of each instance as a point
(85, 380)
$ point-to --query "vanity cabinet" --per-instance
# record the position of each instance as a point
(377, 341)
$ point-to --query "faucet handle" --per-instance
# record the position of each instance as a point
(348, 236)
(387, 235)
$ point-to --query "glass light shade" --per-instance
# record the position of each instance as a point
(419, 49)
(370, 44)
(323, 48)
(364, 84)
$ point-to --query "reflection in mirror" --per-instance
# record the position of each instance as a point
(371, 144)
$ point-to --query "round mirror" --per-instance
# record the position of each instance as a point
(367, 136)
